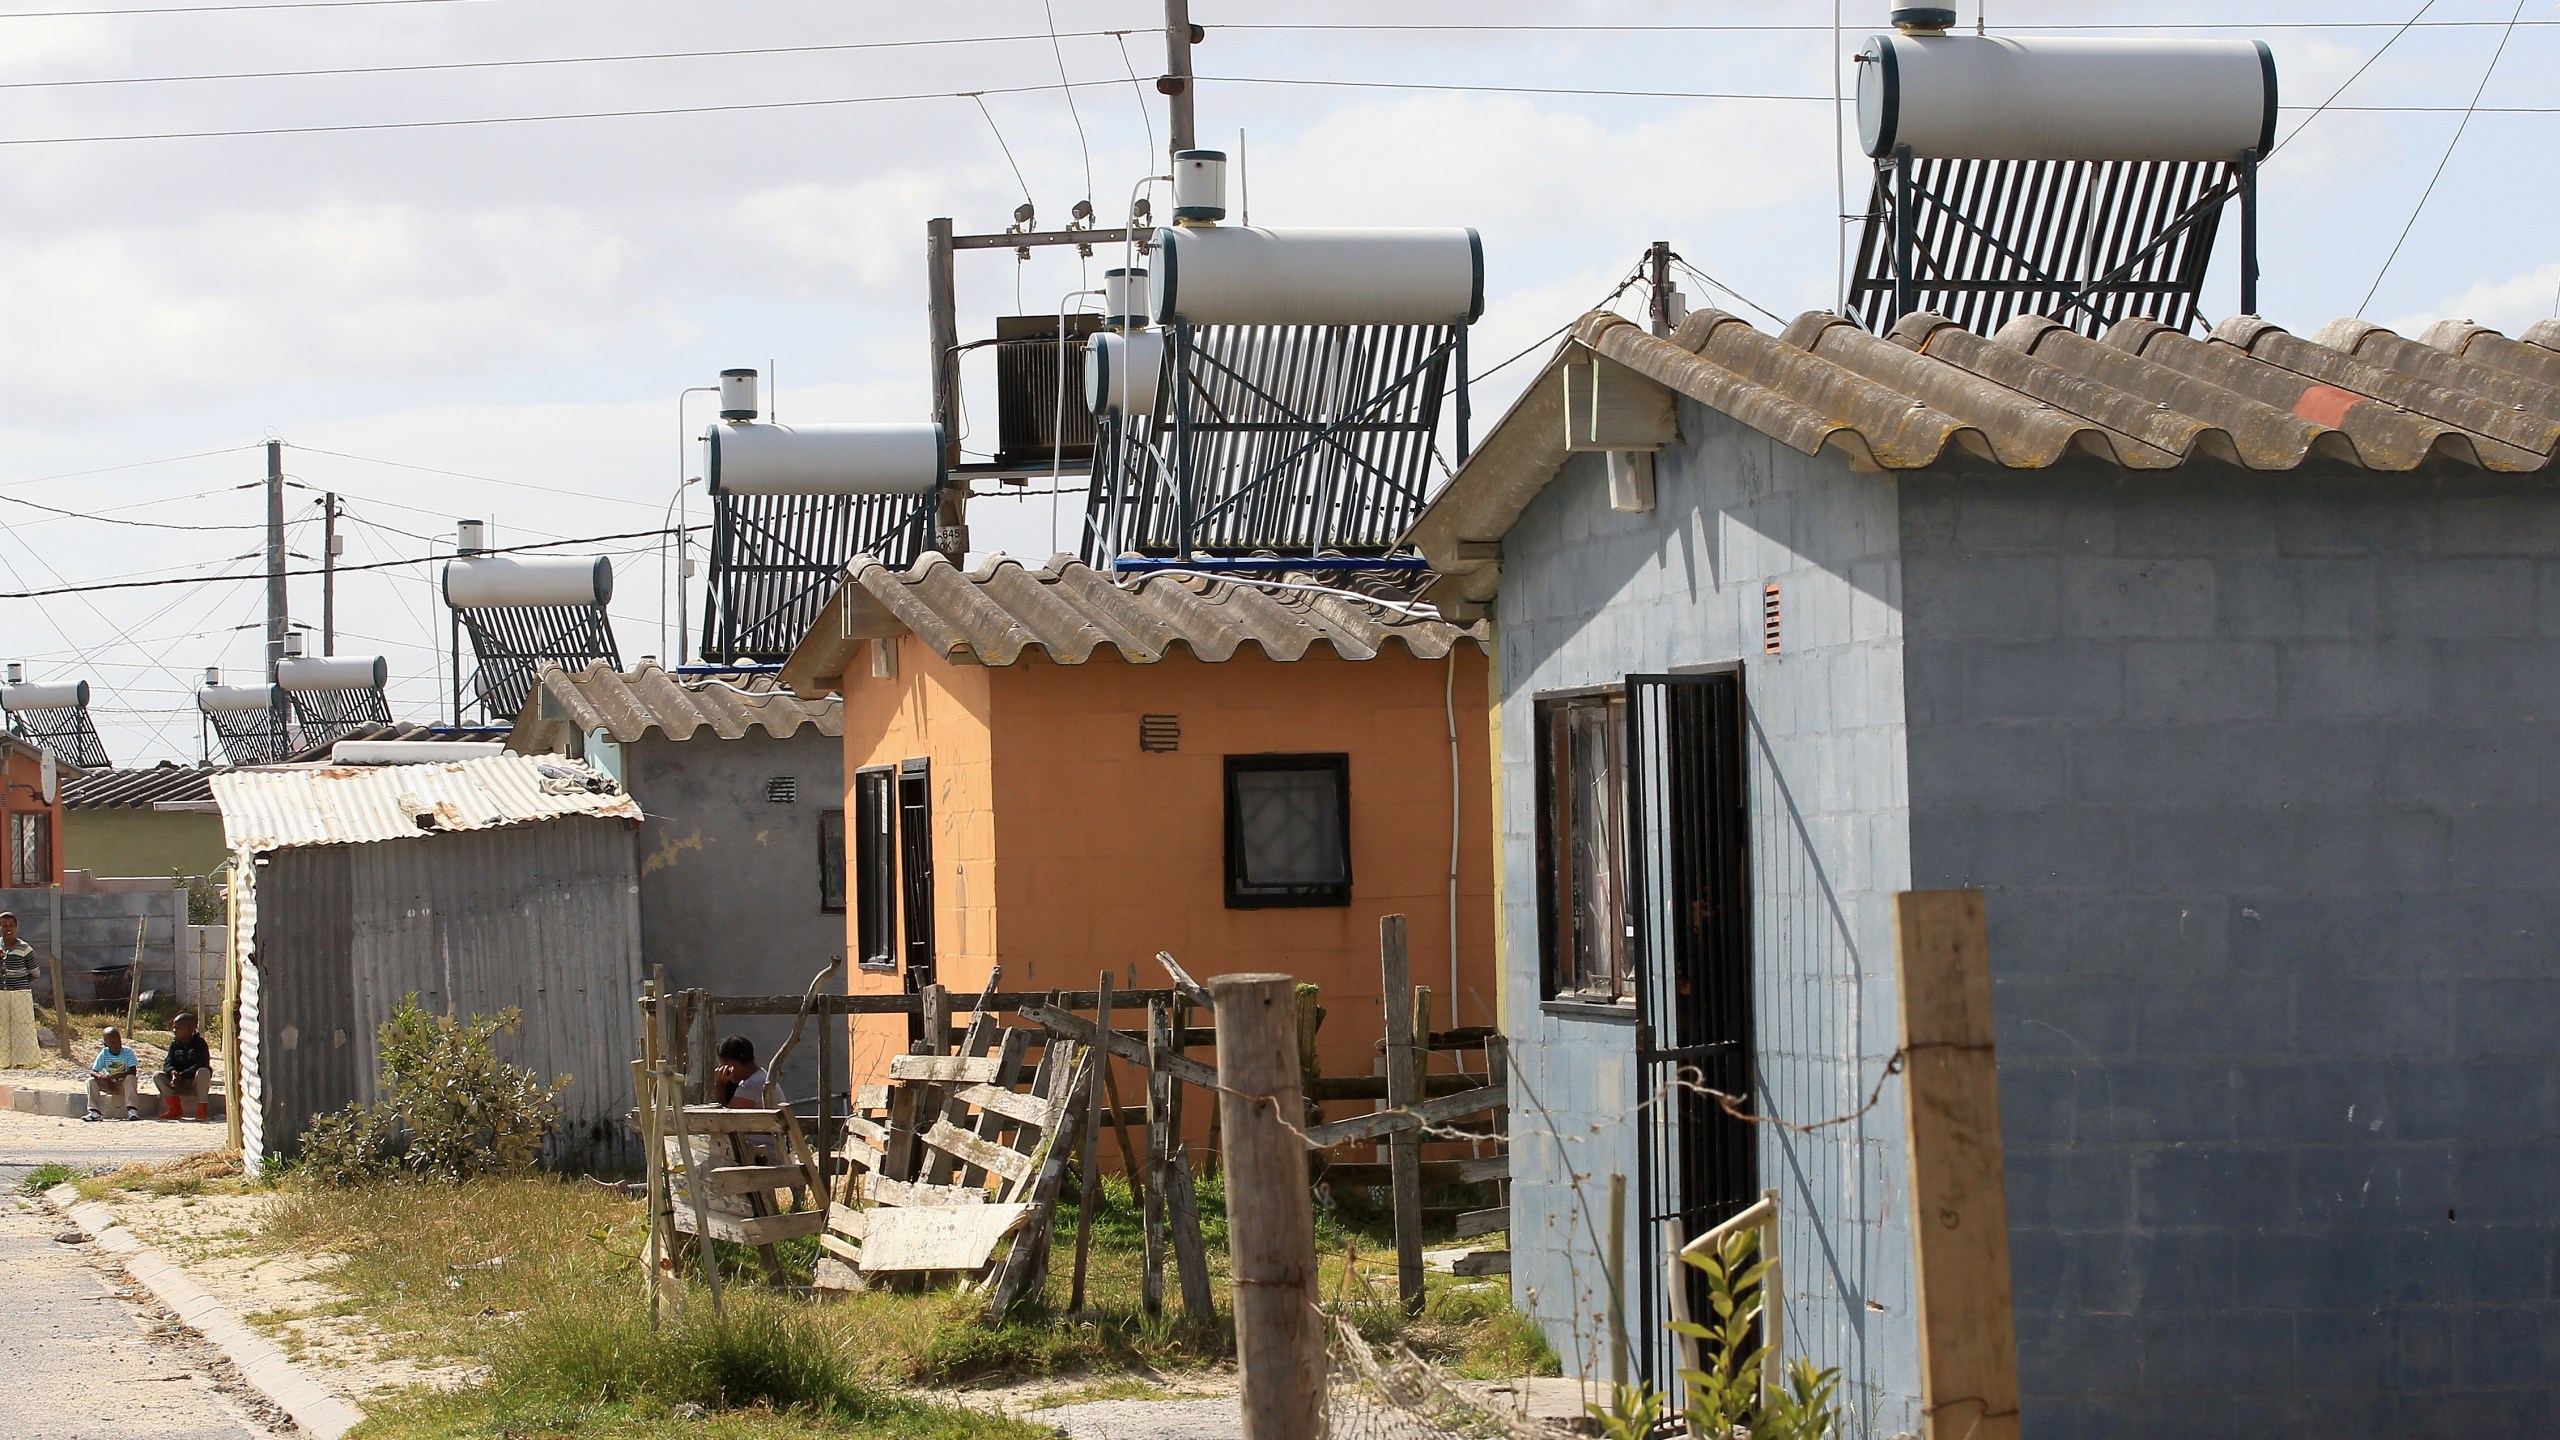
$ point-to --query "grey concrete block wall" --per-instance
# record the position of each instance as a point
(98, 932)
(1590, 596)
(729, 880)
(2262, 776)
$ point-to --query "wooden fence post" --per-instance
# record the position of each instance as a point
(1960, 1219)
(1404, 1149)
(1089, 1161)
(1280, 1342)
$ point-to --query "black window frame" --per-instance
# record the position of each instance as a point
(1560, 977)
(833, 873)
(915, 871)
(1240, 895)
(31, 866)
(872, 860)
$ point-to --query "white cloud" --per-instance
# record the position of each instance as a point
(2508, 305)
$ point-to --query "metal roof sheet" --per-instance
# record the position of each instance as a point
(356, 804)
(140, 789)
(630, 705)
(2146, 397)
(1003, 611)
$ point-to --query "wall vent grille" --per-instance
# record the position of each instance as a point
(1769, 618)
(782, 790)
(1160, 734)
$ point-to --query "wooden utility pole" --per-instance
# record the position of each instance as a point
(1658, 269)
(942, 303)
(1270, 1219)
(329, 573)
(277, 606)
(1960, 1209)
(1175, 85)
(1404, 1088)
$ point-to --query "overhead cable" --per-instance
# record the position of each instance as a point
(217, 9)
(538, 61)
(2443, 160)
(341, 569)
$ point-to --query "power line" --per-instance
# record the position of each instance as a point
(103, 519)
(129, 465)
(636, 56)
(1804, 29)
(214, 9)
(369, 125)
(2445, 159)
(342, 569)
(2404, 29)
(1050, 10)
(466, 475)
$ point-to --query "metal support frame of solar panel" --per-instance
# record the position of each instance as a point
(252, 737)
(510, 645)
(66, 731)
(775, 560)
(2083, 242)
(1289, 438)
(324, 716)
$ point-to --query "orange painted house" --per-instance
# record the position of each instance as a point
(30, 816)
(1062, 774)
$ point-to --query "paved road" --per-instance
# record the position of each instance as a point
(84, 1353)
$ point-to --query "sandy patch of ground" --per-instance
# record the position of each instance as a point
(213, 1236)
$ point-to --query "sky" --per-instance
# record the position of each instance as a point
(495, 321)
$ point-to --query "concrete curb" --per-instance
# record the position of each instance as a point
(72, 1104)
(312, 1407)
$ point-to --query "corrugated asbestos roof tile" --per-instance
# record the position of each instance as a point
(2145, 398)
(139, 789)
(630, 705)
(1066, 610)
(346, 805)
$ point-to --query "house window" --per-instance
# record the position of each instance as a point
(1288, 830)
(31, 849)
(1582, 847)
(915, 869)
(831, 861)
(875, 870)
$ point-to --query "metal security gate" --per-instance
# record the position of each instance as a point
(1689, 936)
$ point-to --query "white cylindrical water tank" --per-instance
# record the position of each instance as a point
(306, 674)
(1199, 187)
(470, 537)
(412, 752)
(487, 581)
(66, 695)
(1235, 275)
(823, 459)
(1991, 97)
(1124, 298)
(1120, 371)
(737, 394)
(235, 698)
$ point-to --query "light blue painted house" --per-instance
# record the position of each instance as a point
(2229, 669)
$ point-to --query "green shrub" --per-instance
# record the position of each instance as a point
(44, 1177)
(451, 1109)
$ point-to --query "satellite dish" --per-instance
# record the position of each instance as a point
(52, 779)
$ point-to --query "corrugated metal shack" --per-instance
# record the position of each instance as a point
(475, 885)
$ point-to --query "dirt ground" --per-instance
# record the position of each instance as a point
(212, 1236)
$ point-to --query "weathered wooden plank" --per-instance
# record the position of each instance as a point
(1006, 1002)
(1004, 1160)
(1364, 1173)
(1190, 1256)
(880, 1191)
(850, 1253)
(993, 1123)
(1428, 1112)
(752, 1179)
(721, 1120)
(754, 1229)
(849, 1221)
(871, 1097)
(944, 1069)
(1484, 1222)
(1404, 1089)
(1013, 1105)
(1374, 1087)
(912, 1239)
(871, 1130)
(1959, 1200)
(1186, 987)
(1127, 1047)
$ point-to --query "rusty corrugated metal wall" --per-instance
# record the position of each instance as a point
(542, 917)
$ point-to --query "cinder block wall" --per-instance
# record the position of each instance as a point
(1591, 595)
(2262, 775)
(98, 930)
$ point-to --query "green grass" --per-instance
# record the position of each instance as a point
(44, 1177)
(538, 1280)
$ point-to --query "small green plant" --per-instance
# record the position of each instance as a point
(1633, 1413)
(451, 1108)
(44, 1177)
(1724, 1396)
